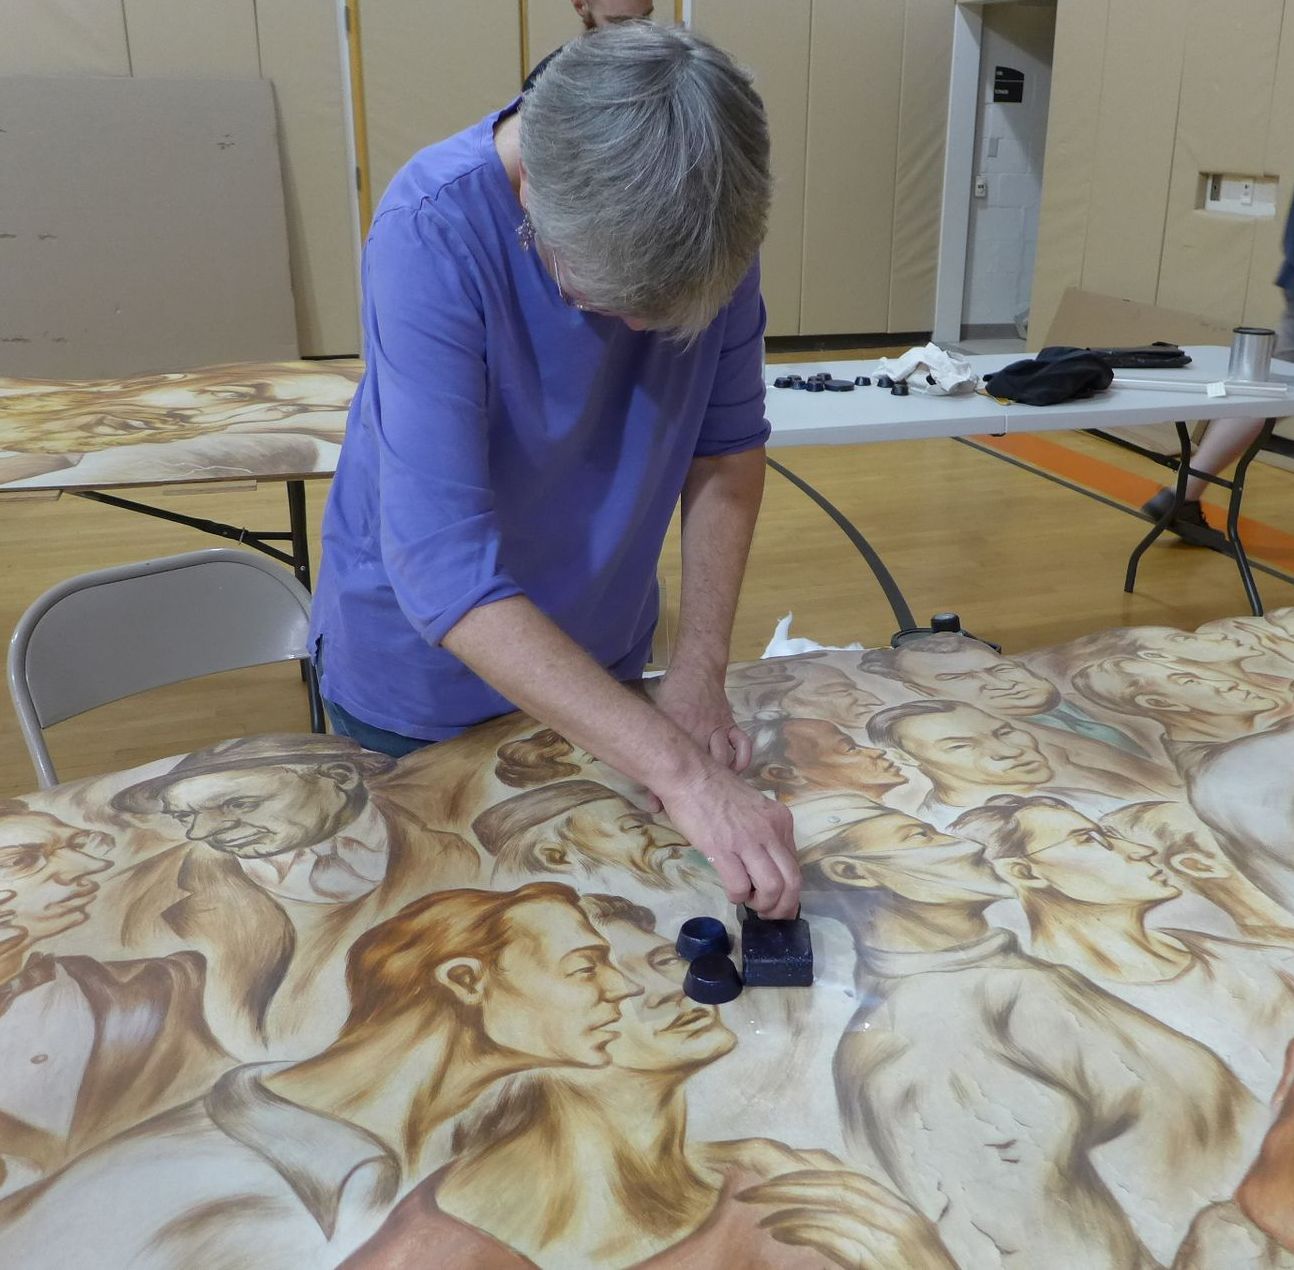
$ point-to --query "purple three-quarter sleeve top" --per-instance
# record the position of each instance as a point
(504, 443)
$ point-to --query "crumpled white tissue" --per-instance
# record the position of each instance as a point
(952, 374)
(784, 644)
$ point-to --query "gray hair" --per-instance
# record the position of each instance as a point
(646, 152)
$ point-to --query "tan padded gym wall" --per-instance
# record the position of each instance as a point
(918, 183)
(857, 91)
(433, 69)
(1147, 95)
(293, 43)
(772, 38)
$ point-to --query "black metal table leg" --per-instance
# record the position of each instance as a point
(1233, 518)
(300, 534)
(301, 568)
(1179, 497)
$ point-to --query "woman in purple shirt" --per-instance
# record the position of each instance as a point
(564, 334)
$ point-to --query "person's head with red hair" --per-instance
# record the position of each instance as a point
(524, 970)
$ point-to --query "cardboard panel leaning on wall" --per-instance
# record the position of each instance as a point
(148, 233)
(772, 38)
(192, 38)
(431, 70)
(1071, 152)
(918, 187)
(1227, 83)
(1133, 161)
(855, 68)
(301, 55)
(63, 37)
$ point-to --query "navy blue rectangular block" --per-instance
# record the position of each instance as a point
(775, 954)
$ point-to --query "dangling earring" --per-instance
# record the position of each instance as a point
(526, 233)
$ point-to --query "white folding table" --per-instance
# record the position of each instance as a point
(874, 414)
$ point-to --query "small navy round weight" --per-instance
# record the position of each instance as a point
(712, 979)
(701, 935)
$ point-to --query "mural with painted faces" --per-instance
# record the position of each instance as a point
(898, 853)
(583, 828)
(265, 811)
(1185, 698)
(47, 867)
(662, 1030)
(60, 418)
(964, 670)
(1056, 849)
(554, 992)
(962, 748)
(791, 756)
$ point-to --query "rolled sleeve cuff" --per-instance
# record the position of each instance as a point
(500, 587)
(712, 447)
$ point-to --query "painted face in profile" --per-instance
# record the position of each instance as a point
(258, 812)
(554, 993)
(661, 1030)
(611, 833)
(912, 859)
(824, 757)
(979, 677)
(827, 693)
(1089, 864)
(1204, 646)
(1186, 689)
(966, 746)
(47, 869)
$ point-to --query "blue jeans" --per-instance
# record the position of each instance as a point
(371, 738)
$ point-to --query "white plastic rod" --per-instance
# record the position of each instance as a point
(1201, 388)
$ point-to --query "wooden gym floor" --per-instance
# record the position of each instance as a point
(1024, 560)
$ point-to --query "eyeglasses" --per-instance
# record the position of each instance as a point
(561, 290)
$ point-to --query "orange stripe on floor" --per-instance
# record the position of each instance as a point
(1262, 541)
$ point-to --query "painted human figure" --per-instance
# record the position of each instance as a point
(969, 755)
(297, 1164)
(1197, 706)
(1189, 851)
(289, 851)
(805, 686)
(582, 829)
(88, 1048)
(1243, 792)
(219, 421)
(623, 1184)
(1256, 1228)
(795, 758)
(1088, 894)
(1036, 1118)
(951, 667)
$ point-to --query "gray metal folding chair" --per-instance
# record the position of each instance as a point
(115, 632)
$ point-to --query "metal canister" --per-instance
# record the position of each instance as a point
(1251, 354)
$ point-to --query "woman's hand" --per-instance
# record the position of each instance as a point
(747, 837)
(695, 700)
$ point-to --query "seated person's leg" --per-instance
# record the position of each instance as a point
(1224, 441)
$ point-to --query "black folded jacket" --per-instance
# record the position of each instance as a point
(1156, 356)
(1039, 382)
